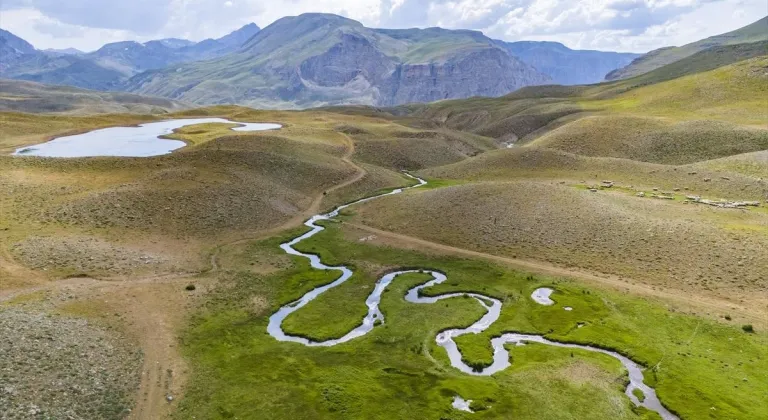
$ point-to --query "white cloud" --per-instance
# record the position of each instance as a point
(45, 32)
(624, 25)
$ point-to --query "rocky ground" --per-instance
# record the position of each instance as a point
(86, 255)
(58, 367)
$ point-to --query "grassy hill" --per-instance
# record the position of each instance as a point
(681, 113)
(694, 127)
(22, 96)
(656, 139)
(755, 32)
(223, 185)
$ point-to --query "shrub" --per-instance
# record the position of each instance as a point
(748, 328)
(190, 287)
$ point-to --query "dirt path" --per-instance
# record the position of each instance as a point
(686, 298)
(300, 218)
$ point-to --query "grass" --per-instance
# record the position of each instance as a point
(732, 93)
(650, 139)
(397, 371)
(754, 32)
(612, 232)
(23, 96)
(639, 394)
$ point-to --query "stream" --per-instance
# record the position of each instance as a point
(445, 338)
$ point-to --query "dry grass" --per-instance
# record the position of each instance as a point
(606, 232)
(651, 139)
(222, 187)
(708, 179)
(376, 178)
(23, 96)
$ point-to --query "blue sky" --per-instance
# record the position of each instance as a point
(616, 25)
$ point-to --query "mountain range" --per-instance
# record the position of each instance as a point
(320, 59)
(324, 60)
(111, 65)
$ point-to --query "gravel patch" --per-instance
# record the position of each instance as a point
(55, 367)
(82, 254)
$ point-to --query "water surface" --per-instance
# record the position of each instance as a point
(139, 141)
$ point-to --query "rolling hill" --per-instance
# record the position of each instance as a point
(31, 97)
(321, 59)
(754, 32)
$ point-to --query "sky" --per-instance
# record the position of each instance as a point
(610, 25)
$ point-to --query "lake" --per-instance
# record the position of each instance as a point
(139, 141)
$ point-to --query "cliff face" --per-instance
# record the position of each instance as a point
(315, 60)
(486, 72)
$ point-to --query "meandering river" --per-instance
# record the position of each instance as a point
(444, 339)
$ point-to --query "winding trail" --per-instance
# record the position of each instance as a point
(298, 219)
(444, 339)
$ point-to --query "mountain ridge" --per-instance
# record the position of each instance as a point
(321, 59)
(754, 32)
(110, 65)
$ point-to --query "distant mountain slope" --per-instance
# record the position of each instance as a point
(566, 66)
(63, 51)
(109, 66)
(130, 58)
(709, 105)
(12, 49)
(23, 96)
(700, 62)
(320, 59)
(754, 32)
(239, 37)
(71, 70)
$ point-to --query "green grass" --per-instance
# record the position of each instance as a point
(434, 183)
(754, 32)
(397, 371)
(639, 394)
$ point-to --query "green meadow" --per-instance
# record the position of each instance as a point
(700, 368)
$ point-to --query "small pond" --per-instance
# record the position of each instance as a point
(139, 141)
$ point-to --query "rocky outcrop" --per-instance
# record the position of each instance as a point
(485, 72)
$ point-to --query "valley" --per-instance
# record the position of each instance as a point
(554, 251)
